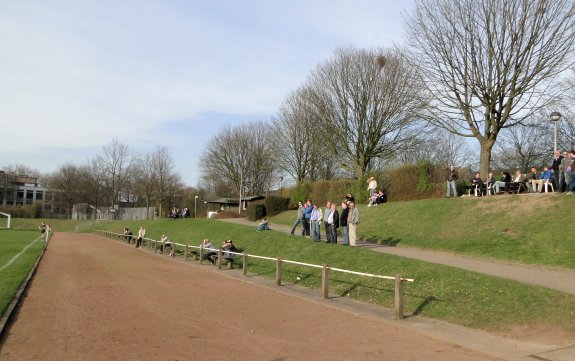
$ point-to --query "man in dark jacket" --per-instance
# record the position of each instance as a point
(343, 223)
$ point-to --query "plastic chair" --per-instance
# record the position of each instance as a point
(546, 185)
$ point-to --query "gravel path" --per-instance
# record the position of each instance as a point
(97, 299)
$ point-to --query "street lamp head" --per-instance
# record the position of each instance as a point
(555, 116)
(196, 197)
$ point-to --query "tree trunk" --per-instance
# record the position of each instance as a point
(485, 158)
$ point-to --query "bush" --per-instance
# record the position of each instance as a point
(300, 193)
(275, 205)
(256, 211)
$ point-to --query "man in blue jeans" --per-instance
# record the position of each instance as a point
(298, 220)
(452, 176)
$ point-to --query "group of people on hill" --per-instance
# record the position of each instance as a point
(561, 175)
(179, 213)
(312, 217)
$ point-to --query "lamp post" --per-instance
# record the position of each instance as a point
(281, 184)
(555, 116)
(195, 207)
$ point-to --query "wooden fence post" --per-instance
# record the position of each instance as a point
(186, 253)
(398, 297)
(219, 259)
(278, 272)
(201, 253)
(245, 264)
(325, 282)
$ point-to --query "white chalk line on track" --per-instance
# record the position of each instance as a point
(15, 257)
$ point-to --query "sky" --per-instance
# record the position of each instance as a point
(74, 75)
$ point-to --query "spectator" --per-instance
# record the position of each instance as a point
(227, 247)
(490, 181)
(555, 166)
(128, 235)
(207, 245)
(371, 186)
(476, 185)
(326, 213)
(263, 225)
(343, 223)
(42, 229)
(532, 180)
(165, 244)
(307, 218)
(569, 172)
(352, 221)
(452, 176)
(349, 198)
(504, 182)
(377, 198)
(518, 180)
(298, 220)
(316, 218)
(332, 224)
(141, 236)
(546, 176)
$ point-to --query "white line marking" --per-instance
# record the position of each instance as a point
(18, 255)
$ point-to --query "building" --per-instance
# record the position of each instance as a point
(24, 190)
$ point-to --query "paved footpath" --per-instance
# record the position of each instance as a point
(560, 279)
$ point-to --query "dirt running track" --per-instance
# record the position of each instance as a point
(96, 299)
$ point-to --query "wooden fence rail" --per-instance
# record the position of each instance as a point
(198, 252)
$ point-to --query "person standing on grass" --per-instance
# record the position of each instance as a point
(555, 166)
(326, 213)
(452, 177)
(371, 186)
(141, 235)
(306, 219)
(42, 229)
(352, 221)
(343, 223)
(315, 222)
(332, 224)
(298, 220)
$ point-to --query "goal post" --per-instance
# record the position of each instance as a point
(5, 216)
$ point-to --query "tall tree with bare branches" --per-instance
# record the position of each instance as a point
(490, 64)
(240, 157)
(366, 101)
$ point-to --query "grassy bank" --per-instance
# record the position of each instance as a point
(458, 296)
(526, 228)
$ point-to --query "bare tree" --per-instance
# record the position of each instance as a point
(240, 157)
(67, 180)
(166, 181)
(297, 137)
(366, 101)
(115, 164)
(524, 146)
(490, 64)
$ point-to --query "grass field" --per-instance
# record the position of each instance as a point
(16, 261)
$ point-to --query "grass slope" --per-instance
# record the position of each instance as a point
(526, 228)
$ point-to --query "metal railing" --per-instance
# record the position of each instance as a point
(198, 252)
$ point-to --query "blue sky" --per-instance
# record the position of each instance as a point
(76, 74)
